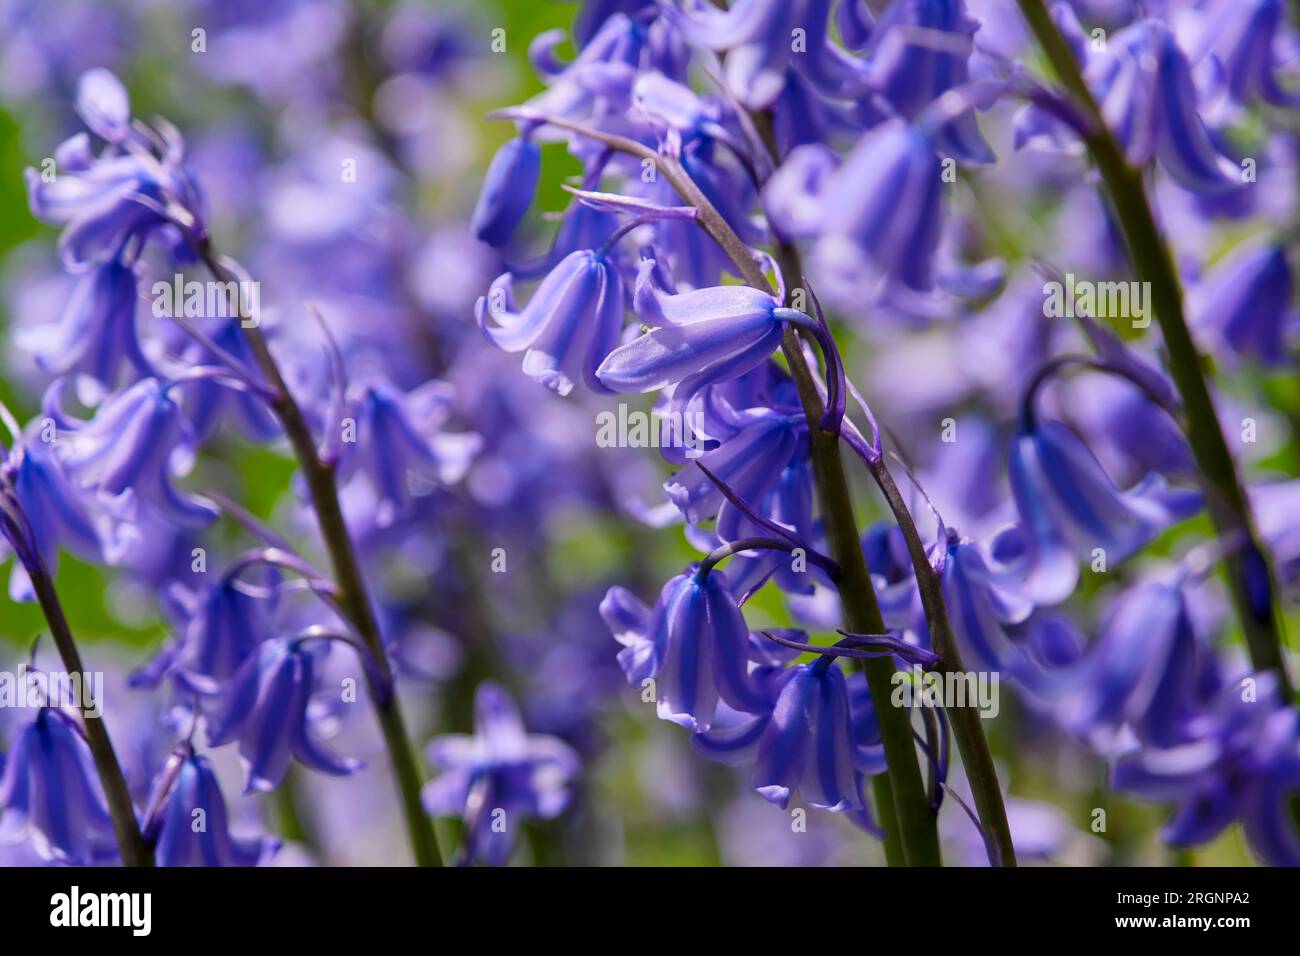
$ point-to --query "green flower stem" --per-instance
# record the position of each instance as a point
(351, 593)
(1225, 497)
(131, 844)
(915, 824)
(968, 730)
(911, 831)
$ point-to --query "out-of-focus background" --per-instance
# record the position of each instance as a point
(281, 95)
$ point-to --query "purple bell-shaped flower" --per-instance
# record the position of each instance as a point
(498, 776)
(189, 823)
(50, 792)
(269, 710)
(568, 327)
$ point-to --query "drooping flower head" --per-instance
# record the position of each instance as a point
(508, 188)
(1143, 85)
(875, 216)
(694, 644)
(221, 626)
(568, 327)
(136, 186)
(499, 776)
(917, 51)
(189, 823)
(1069, 506)
(128, 453)
(96, 336)
(1242, 764)
(808, 744)
(1245, 303)
(50, 791)
(269, 711)
(1142, 673)
(697, 338)
(399, 441)
(982, 601)
(56, 512)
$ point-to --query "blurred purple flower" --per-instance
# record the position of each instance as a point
(189, 822)
(60, 514)
(399, 440)
(1069, 506)
(982, 602)
(220, 627)
(268, 710)
(1141, 673)
(129, 451)
(1245, 302)
(138, 184)
(96, 333)
(877, 215)
(918, 51)
(498, 776)
(1241, 38)
(1143, 84)
(50, 791)
(1243, 764)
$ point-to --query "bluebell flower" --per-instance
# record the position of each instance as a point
(751, 462)
(1240, 36)
(1242, 764)
(982, 602)
(103, 105)
(801, 117)
(59, 514)
(1143, 432)
(695, 259)
(694, 644)
(508, 189)
(211, 405)
(1069, 506)
(1143, 85)
(1142, 672)
(569, 326)
(50, 792)
(885, 549)
(811, 743)
(919, 50)
(189, 823)
(583, 227)
(129, 451)
(498, 776)
(697, 338)
(865, 725)
(135, 186)
(268, 710)
(221, 626)
(757, 35)
(400, 440)
(1245, 303)
(789, 503)
(96, 335)
(877, 216)
(628, 619)
(598, 82)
